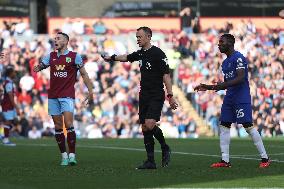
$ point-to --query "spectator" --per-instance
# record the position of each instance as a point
(116, 84)
(186, 20)
(34, 133)
(27, 82)
(99, 27)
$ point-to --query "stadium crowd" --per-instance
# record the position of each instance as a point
(116, 85)
(264, 51)
(116, 88)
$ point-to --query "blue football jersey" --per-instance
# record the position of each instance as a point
(239, 93)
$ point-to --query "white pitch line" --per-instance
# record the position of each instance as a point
(139, 149)
(276, 154)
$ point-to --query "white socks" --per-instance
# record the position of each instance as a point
(71, 155)
(256, 138)
(225, 143)
(64, 155)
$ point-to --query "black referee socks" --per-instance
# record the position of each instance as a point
(158, 134)
(149, 145)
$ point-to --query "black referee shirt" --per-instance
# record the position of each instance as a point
(153, 65)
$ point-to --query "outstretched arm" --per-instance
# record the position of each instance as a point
(223, 85)
(121, 58)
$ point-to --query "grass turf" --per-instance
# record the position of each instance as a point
(110, 163)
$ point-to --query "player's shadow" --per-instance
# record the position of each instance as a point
(187, 170)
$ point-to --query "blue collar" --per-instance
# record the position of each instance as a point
(64, 53)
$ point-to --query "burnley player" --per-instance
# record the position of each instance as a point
(236, 106)
(154, 74)
(8, 104)
(64, 65)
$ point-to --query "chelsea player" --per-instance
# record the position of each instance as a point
(236, 106)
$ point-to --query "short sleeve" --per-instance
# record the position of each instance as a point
(164, 63)
(79, 61)
(9, 87)
(241, 63)
(45, 60)
(133, 57)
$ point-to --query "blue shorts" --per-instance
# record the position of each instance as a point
(56, 106)
(10, 115)
(236, 113)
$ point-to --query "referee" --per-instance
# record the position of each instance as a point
(154, 74)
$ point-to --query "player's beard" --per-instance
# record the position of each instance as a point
(223, 49)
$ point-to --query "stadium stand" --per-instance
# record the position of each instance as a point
(114, 114)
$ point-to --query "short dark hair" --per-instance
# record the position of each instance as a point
(8, 71)
(64, 34)
(146, 29)
(229, 37)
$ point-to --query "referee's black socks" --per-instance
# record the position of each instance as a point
(149, 144)
(158, 134)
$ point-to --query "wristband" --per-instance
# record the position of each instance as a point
(42, 66)
(113, 57)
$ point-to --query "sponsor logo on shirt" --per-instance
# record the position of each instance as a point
(229, 74)
(60, 68)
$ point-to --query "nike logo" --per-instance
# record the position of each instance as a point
(54, 59)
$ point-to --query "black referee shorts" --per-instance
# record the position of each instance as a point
(150, 107)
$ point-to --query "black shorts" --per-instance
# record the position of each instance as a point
(150, 107)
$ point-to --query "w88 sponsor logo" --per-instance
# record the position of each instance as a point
(60, 74)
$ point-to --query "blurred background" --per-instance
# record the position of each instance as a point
(186, 30)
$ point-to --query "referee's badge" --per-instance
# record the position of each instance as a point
(166, 61)
(148, 66)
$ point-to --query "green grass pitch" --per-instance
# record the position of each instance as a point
(110, 163)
